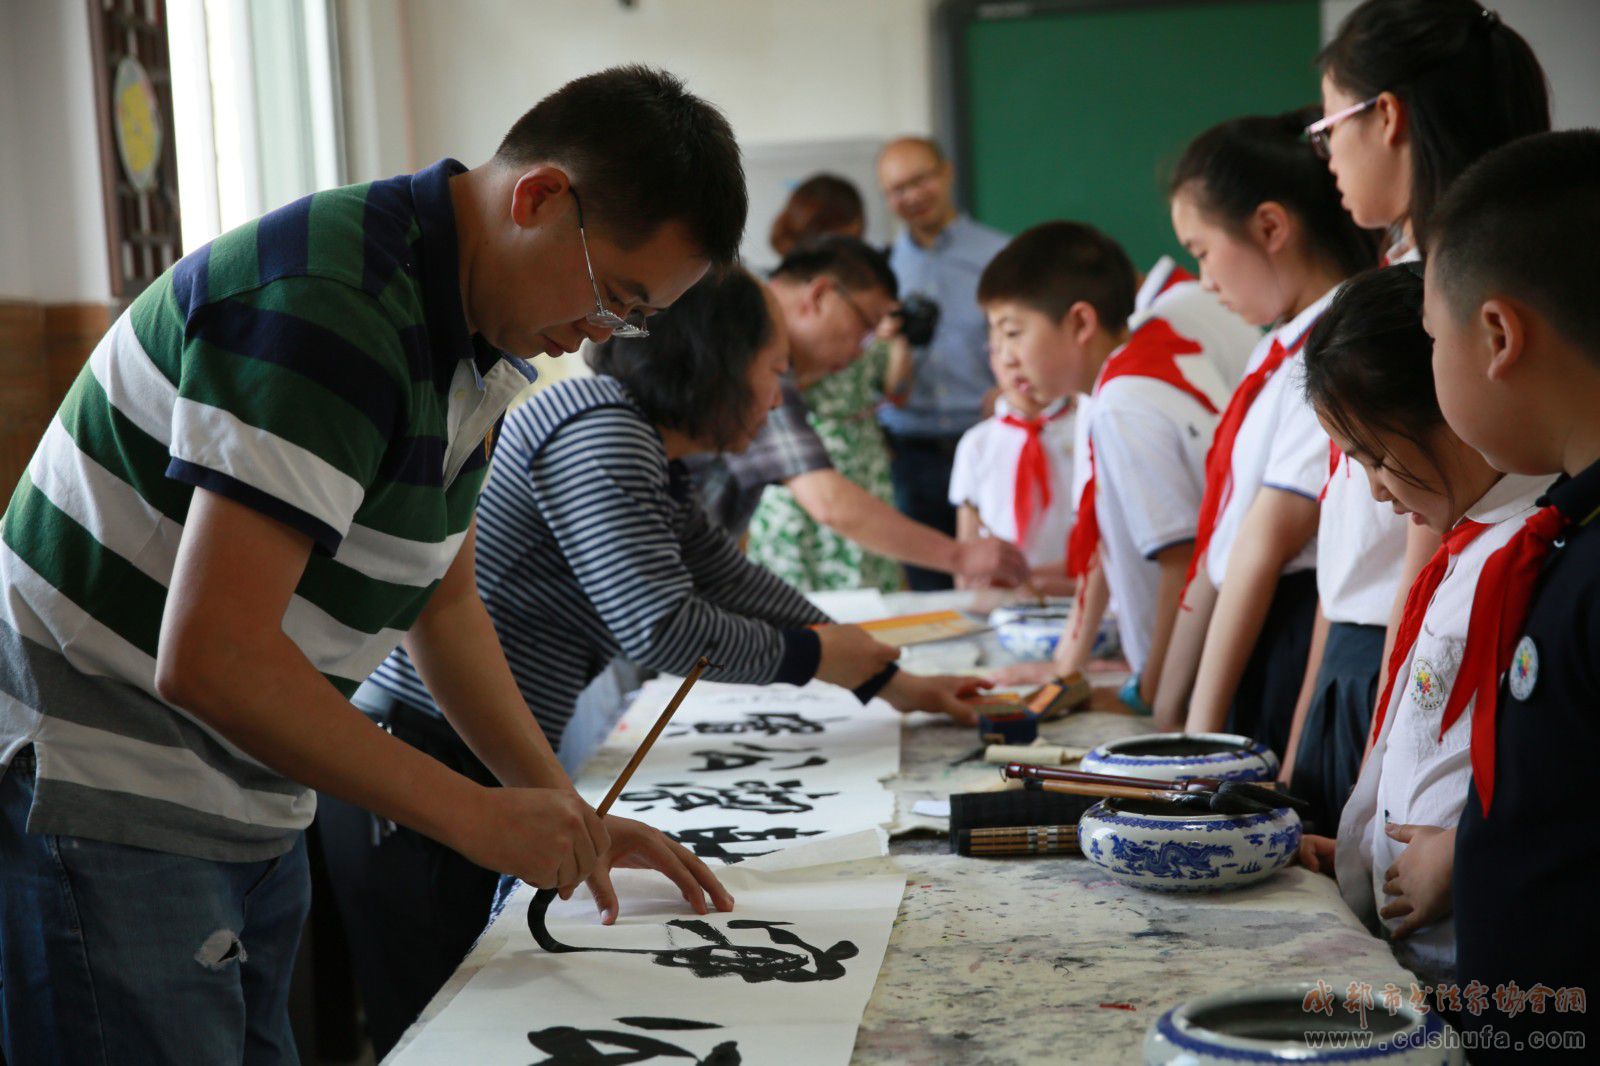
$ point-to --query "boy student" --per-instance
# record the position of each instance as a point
(261, 482)
(1059, 298)
(1013, 473)
(1508, 299)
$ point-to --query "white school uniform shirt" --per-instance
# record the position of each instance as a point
(1361, 546)
(1172, 293)
(984, 473)
(1361, 543)
(1150, 443)
(1280, 445)
(1412, 775)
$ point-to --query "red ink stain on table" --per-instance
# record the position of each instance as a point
(1118, 1006)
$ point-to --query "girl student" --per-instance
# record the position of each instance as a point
(1369, 376)
(1259, 212)
(1413, 91)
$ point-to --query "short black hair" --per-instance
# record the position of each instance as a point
(1525, 221)
(1238, 165)
(1369, 364)
(691, 374)
(1054, 265)
(853, 263)
(646, 152)
(1469, 83)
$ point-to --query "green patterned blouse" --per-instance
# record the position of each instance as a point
(786, 540)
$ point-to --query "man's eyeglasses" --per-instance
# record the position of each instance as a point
(1319, 131)
(869, 328)
(902, 189)
(603, 316)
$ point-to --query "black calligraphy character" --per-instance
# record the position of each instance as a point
(751, 754)
(757, 797)
(569, 1046)
(767, 723)
(718, 956)
(708, 843)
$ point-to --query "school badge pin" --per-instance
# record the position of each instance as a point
(1427, 691)
(1524, 672)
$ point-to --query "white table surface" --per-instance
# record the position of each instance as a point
(1032, 959)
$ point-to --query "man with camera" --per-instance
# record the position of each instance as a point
(947, 386)
(834, 294)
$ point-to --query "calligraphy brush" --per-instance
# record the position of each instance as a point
(1221, 801)
(542, 898)
(984, 530)
(1262, 794)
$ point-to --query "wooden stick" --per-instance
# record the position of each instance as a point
(1077, 788)
(1036, 772)
(543, 897)
(984, 530)
(678, 697)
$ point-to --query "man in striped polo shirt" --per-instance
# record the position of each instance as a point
(261, 482)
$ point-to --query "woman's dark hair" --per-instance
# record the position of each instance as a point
(1369, 365)
(691, 374)
(1238, 165)
(820, 205)
(1468, 81)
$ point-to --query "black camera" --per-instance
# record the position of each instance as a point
(919, 316)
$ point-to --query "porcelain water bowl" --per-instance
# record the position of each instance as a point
(1028, 632)
(1159, 846)
(1173, 756)
(1296, 1023)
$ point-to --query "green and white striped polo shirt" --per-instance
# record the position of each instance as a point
(314, 365)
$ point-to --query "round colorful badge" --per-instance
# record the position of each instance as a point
(1524, 672)
(1427, 690)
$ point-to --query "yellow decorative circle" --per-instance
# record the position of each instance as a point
(137, 121)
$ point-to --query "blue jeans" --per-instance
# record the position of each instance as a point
(113, 954)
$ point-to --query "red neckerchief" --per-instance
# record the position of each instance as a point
(1334, 455)
(1416, 608)
(1031, 494)
(1177, 277)
(1152, 352)
(1499, 610)
(1219, 460)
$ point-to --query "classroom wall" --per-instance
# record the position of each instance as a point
(52, 218)
(782, 70)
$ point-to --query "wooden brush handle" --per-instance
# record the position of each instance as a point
(1087, 788)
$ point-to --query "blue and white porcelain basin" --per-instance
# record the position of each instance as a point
(1028, 632)
(1174, 756)
(1298, 1023)
(1156, 845)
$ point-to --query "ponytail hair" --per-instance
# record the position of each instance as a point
(1369, 365)
(1234, 167)
(1469, 84)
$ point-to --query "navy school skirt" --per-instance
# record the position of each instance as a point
(1263, 705)
(1337, 722)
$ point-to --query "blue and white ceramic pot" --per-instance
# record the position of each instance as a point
(1173, 756)
(1296, 1023)
(1028, 632)
(1155, 845)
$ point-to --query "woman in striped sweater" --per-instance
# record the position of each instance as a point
(591, 545)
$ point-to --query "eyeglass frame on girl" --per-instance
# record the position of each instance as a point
(1319, 131)
(603, 316)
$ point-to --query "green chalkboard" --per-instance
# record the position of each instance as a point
(1078, 114)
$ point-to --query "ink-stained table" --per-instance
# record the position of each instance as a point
(1030, 960)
